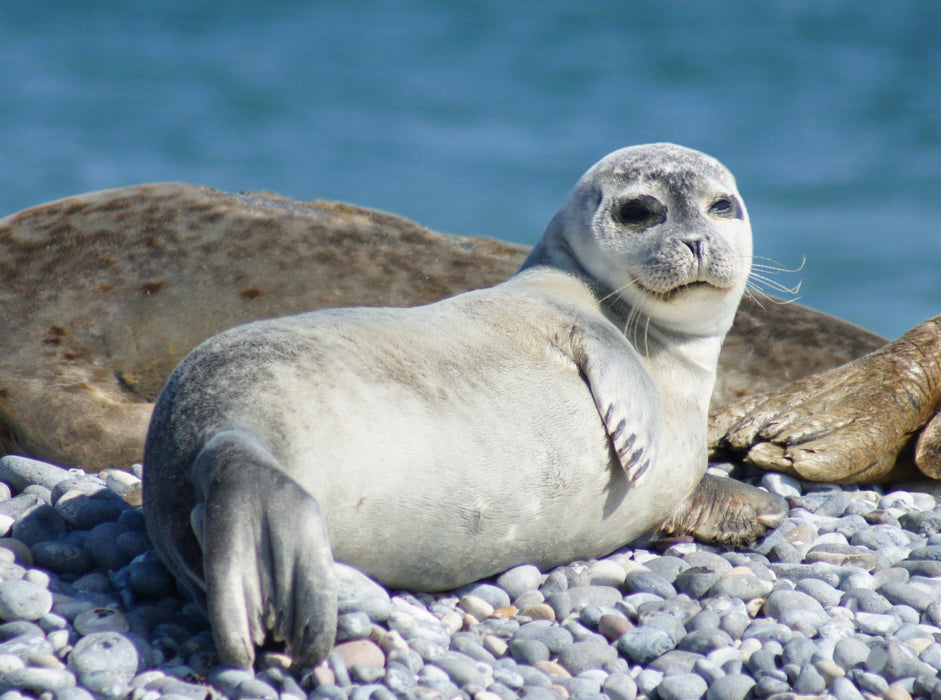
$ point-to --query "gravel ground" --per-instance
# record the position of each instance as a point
(842, 600)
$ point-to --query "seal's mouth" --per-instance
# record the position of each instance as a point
(681, 289)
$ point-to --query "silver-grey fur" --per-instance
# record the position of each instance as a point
(556, 416)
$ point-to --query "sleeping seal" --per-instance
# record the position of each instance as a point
(556, 416)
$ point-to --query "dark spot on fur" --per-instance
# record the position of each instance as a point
(54, 335)
(4, 393)
(102, 288)
(149, 288)
(250, 293)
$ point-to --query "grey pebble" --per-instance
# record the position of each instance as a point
(696, 581)
(148, 577)
(795, 609)
(528, 651)
(353, 625)
(358, 592)
(731, 687)
(643, 581)
(682, 686)
(20, 472)
(648, 680)
(23, 600)
(496, 596)
(620, 686)
(37, 680)
(110, 652)
(100, 546)
(553, 636)
(582, 656)
(519, 580)
(646, 643)
(38, 524)
(907, 594)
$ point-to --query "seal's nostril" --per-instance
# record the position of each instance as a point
(696, 246)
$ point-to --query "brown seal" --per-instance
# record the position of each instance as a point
(102, 294)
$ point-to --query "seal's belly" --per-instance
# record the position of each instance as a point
(428, 493)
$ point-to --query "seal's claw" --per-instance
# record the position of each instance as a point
(727, 511)
(265, 574)
(850, 424)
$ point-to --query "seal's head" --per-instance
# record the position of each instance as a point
(665, 229)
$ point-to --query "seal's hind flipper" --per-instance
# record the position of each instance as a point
(725, 510)
(266, 555)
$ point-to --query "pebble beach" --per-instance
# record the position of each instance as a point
(842, 600)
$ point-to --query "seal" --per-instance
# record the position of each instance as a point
(556, 416)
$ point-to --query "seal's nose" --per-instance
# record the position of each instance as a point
(697, 247)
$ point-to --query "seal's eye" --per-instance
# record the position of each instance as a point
(633, 212)
(724, 207)
(639, 210)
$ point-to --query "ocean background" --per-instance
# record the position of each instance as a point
(476, 118)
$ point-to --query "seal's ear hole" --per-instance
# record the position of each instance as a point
(640, 211)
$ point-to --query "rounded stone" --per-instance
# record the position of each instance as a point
(360, 652)
(358, 592)
(465, 671)
(731, 687)
(528, 651)
(644, 581)
(741, 584)
(478, 607)
(496, 596)
(519, 580)
(355, 625)
(645, 643)
(110, 652)
(149, 578)
(620, 686)
(23, 600)
(20, 472)
(606, 572)
(39, 524)
(795, 609)
(582, 656)
(682, 686)
(38, 680)
(100, 546)
(552, 635)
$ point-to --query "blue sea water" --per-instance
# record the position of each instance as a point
(476, 118)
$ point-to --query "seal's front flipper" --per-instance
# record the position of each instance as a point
(724, 510)
(266, 555)
(625, 395)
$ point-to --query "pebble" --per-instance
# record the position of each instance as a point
(844, 600)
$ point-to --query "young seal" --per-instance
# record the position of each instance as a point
(556, 416)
